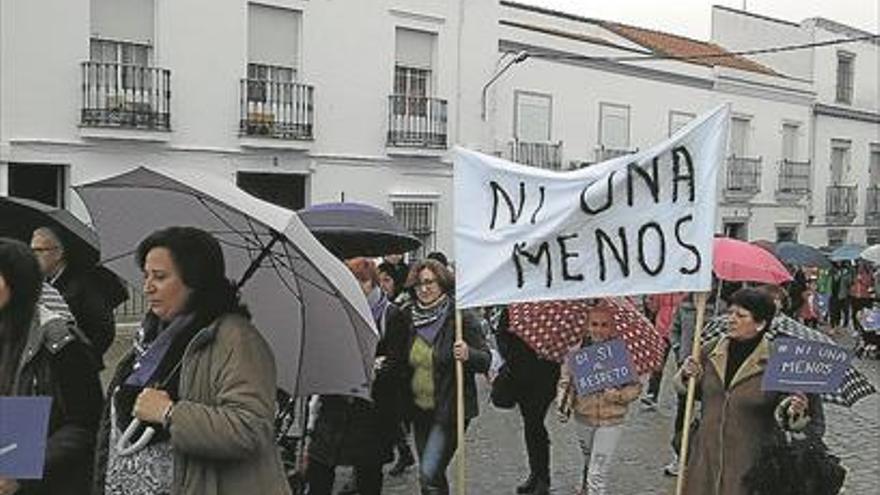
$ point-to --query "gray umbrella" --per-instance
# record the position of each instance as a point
(306, 303)
(796, 254)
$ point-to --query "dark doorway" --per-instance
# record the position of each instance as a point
(40, 182)
(286, 190)
(736, 230)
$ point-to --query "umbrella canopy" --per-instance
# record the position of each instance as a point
(855, 385)
(871, 254)
(552, 328)
(739, 261)
(19, 217)
(847, 252)
(355, 229)
(305, 302)
(797, 254)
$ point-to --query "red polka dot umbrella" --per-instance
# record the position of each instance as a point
(552, 328)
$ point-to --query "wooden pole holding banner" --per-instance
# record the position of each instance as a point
(691, 392)
(459, 400)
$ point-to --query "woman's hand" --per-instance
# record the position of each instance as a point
(8, 486)
(797, 405)
(379, 363)
(151, 405)
(691, 368)
(460, 350)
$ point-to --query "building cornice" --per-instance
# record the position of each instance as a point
(846, 113)
(571, 36)
(580, 60)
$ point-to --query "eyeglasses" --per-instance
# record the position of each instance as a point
(40, 250)
(425, 283)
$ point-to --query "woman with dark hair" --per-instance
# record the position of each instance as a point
(200, 383)
(41, 355)
(738, 417)
(431, 352)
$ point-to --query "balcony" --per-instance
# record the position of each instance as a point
(416, 122)
(278, 110)
(603, 153)
(541, 155)
(743, 176)
(125, 96)
(872, 205)
(794, 179)
(840, 204)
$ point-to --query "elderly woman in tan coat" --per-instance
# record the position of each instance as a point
(200, 377)
(599, 416)
(737, 416)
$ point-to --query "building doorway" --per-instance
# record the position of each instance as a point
(285, 190)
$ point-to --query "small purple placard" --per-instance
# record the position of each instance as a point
(870, 319)
(806, 366)
(600, 366)
(24, 422)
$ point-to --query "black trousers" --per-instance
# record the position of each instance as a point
(320, 478)
(534, 411)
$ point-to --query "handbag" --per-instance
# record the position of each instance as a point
(503, 394)
(789, 466)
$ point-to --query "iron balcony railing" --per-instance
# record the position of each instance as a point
(872, 203)
(841, 201)
(794, 176)
(125, 96)
(541, 155)
(744, 174)
(603, 153)
(281, 110)
(416, 121)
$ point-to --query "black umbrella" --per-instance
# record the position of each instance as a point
(349, 230)
(19, 217)
(797, 254)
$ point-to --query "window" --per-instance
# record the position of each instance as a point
(739, 136)
(419, 219)
(845, 64)
(413, 74)
(40, 182)
(790, 142)
(786, 233)
(130, 21)
(677, 120)
(836, 237)
(874, 165)
(840, 158)
(532, 114)
(273, 46)
(872, 236)
(614, 126)
(736, 229)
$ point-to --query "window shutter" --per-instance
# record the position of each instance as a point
(273, 35)
(615, 126)
(123, 20)
(739, 131)
(533, 118)
(414, 48)
(789, 141)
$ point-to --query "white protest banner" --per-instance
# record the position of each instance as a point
(637, 224)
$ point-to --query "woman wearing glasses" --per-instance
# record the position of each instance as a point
(41, 355)
(430, 385)
(200, 378)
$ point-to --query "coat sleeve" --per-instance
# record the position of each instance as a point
(79, 402)
(240, 421)
(94, 316)
(479, 357)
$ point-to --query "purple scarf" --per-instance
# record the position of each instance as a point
(428, 321)
(150, 354)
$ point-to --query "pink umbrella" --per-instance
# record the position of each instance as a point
(739, 261)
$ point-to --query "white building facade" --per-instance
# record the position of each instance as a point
(309, 101)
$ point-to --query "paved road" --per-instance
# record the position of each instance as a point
(496, 453)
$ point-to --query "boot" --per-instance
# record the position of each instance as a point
(528, 486)
(542, 487)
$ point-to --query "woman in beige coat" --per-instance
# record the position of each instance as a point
(213, 408)
(737, 416)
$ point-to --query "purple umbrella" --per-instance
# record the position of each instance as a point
(350, 230)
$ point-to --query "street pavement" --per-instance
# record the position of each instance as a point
(496, 460)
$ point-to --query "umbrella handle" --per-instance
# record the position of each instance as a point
(123, 445)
